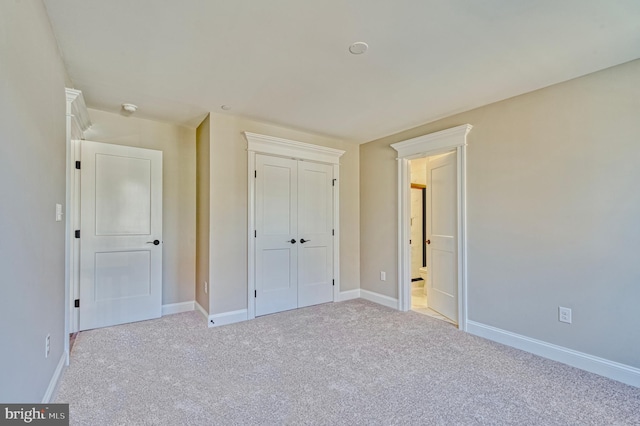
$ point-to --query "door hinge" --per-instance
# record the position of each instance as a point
(76, 303)
(333, 182)
(255, 234)
(255, 173)
(78, 165)
(334, 282)
(77, 233)
(333, 232)
(255, 293)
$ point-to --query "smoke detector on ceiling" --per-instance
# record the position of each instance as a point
(130, 108)
(358, 48)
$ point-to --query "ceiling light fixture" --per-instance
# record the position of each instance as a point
(225, 107)
(130, 108)
(358, 48)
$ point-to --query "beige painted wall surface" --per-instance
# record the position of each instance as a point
(32, 181)
(202, 211)
(229, 207)
(419, 171)
(178, 145)
(553, 212)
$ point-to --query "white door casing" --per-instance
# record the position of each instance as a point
(420, 147)
(121, 234)
(442, 282)
(278, 147)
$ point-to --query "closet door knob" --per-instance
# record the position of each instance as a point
(302, 241)
(292, 241)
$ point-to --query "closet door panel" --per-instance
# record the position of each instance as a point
(315, 229)
(276, 228)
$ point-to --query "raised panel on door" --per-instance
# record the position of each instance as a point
(315, 227)
(276, 226)
(442, 281)
(121, 216)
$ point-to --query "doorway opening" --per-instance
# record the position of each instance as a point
(446, 263)
(420, 239)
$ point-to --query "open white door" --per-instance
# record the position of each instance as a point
(276, 235)
(442, 279)
(121, 235)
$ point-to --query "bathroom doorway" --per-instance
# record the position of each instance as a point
(446, 273)
(420, 169)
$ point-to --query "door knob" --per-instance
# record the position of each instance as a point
(292, 241)
(302, 241)
(154, 242)
(428, 241)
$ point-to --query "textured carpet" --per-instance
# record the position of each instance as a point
(341, 363)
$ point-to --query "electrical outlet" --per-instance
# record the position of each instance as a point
(47, 346)
(564, 314)
(383, 276)
(206, 287)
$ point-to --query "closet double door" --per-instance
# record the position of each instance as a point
(294, 234)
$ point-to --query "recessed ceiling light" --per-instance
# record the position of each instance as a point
(358, 48)
(225, 107)
(131, 108)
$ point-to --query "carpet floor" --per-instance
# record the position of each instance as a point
(354, 363)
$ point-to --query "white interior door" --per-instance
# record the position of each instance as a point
(120, 235)
(276, 234)
(442, 279)
(315, 228)
(294, 234)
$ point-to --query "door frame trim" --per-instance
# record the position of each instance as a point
(440, 142)
(279, 147)
(77, 122)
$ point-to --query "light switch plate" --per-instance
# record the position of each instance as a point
(58, 212)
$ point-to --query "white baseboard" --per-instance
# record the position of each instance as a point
(348, 295)
(604, 367)
(53, 383)
(201, 309)
(380, 299)
(176, 308)
(225, 318)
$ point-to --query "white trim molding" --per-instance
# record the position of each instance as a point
(453, 139)
(348, 295)
(604, 367)
(292, 149)
(378, 298)
(270, 145)
(177, 308)
(77, 121)
(225, 318)
(199, 308)
(53, 383)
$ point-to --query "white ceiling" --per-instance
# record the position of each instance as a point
(287, 61)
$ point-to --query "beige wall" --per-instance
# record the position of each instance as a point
(553, 212)
(203, 188)
(419, 171)
(229, 207)
(178, 145)
(32, 181)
